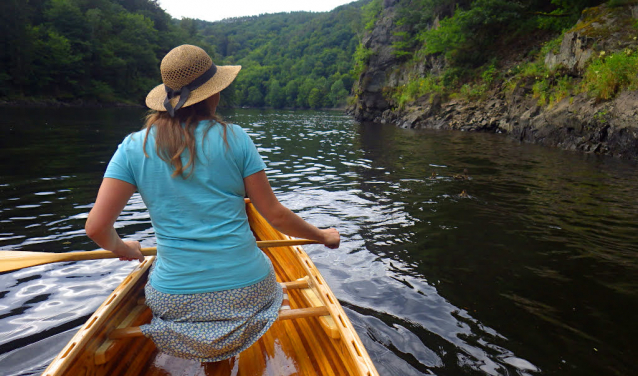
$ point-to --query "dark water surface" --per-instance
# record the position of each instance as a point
(534, 273)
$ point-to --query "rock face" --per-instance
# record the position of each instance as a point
(575, 51)
(371, 101)
(575, 123)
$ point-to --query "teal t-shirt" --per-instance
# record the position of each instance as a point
(204, 241)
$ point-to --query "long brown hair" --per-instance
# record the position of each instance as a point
(174, 135)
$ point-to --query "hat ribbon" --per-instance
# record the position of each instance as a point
(185, 91)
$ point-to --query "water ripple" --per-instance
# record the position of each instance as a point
(526, 276)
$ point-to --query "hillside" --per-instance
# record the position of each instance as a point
(84, 51)
(295, 60)
(109, 51)
(560, 74)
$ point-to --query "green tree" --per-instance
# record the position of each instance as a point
(304, 92)
(338, 94)
(315, 98)
(291, 90)
(55, 63)
(254, 97)
(16, 47)
(276, 97)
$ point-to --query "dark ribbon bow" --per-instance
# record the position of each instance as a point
(185, 91)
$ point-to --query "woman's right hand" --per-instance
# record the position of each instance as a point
(331, 238)
(130, 250)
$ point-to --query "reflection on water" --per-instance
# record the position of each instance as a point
(533, 272)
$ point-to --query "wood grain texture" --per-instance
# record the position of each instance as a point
(302, 346)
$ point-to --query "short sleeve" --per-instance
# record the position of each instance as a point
(119, 167)
(252, 161)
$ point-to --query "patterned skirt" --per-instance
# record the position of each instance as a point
(213, 326)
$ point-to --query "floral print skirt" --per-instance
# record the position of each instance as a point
(213, 326)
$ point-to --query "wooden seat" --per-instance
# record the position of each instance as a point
(287, 314)
(127, 331)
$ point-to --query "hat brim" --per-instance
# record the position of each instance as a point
(224, 76)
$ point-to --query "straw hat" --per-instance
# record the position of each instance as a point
(189, 77)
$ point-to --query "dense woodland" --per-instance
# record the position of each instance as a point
(300, 59)
(110, 50)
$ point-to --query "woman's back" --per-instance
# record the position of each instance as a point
(203, 237)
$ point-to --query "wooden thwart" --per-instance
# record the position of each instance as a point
(301, 283)
(287, 314)
(111, 346)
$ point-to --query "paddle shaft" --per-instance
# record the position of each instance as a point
(14, 260)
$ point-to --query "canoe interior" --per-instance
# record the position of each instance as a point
(305, 346)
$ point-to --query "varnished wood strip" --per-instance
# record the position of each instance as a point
(78, 344)
(119, 333)
(279, 352)
(298, 313)
(129, 363)
(327, 322)
(300, 351)
(350, 340)
(313, 346)
(112, 346)
(301, 283)
(333, 358)
(288, 314)
(349, 336)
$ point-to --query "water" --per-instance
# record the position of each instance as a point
(534, 273)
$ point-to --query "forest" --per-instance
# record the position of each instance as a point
(109, 51)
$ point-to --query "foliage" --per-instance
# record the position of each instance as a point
(104, 50)
(370, 13)
(361, 58)
(619, 3)
(607, 75)
(285, 56)
(463, 39)
(468, 37)
(110, 50)
(478, 90)
(404, 46)
(417, 88)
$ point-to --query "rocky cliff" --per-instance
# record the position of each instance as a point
(579, 121)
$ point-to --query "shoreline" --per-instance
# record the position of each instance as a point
(54, 103)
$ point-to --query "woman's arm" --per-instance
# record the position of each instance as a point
(111, 199)
(261, 195)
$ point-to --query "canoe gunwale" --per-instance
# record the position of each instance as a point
(348, 336)
(75, 347)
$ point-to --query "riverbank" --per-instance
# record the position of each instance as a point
(80, 103)
(575, 91)
(55, 103)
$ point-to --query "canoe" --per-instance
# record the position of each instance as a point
(313, 337)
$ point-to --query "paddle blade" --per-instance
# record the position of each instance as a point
(14, 260)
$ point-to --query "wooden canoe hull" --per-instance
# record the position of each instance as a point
(321, 345)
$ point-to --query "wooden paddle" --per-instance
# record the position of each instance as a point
(14, 260)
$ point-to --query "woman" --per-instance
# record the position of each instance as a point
(212, 291)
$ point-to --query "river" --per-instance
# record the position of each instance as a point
(534, 271)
